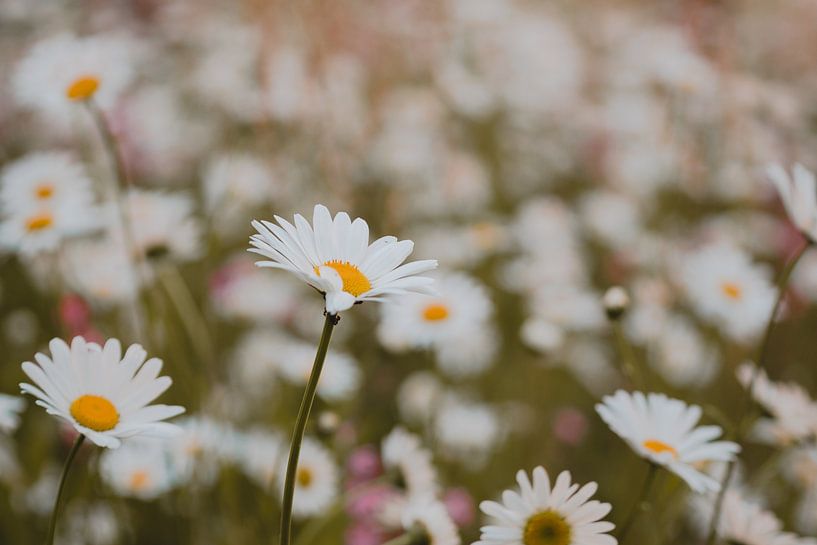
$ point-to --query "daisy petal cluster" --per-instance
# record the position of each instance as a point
(798, 191)
(665, 432)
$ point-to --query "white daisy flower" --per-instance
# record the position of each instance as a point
(663, 431)
(728, 290)
(798, 192)
(340, 377)
(793, 412)
(10, 409)
(43, 180)
(163, 225)
(429, 523)
(467, 431)
(238, 180)
(102, 394)
(40, 230)
(541, 515)
(335, 257)
(139, 469)
(110, 279)
(261, 456)
(316, 480)
(409, 463)
(61, 71)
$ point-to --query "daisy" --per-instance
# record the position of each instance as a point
(62, 71)
(340, 377)
(728, 290)
(10, 409)
(102, 394)
(261, 455)
(316, 480)
(110, 279)
(237, 180)
(335, 257)
(798, 192)
(429, 523)
(163, 225)
(35, 231)
(138, 469)
(409, 464)
(663, 431)
(467, 431)
(793, 414)
(541, 515)
(44, 180)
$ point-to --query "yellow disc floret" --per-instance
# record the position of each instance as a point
(304, 477)
(547, 528)
(354, 281)
(44, 191)
(95, 412)
(39, 222)
(435, 312)
(731, 290)
(656, 446)
(82, 88)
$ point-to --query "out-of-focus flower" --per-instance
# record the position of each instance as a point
(340, 376)
(409, 464)
(663, 431)
(59, 72)
(419, 396)
(799, 195)
(238, 181)
(793, 412)
(337, 259)
(10, 409)
(316, 479)
(242, 291)
(467, 431)
(428, 521)
(261, 456)
(681, 354)
(616, 300)
(139, 469)
(728, 290)
(163, 225)
(540, 515)
(102, 394)
(99, 270)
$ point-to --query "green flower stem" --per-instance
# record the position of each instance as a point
(52, 526)
(134, 257)
(641, 504)
(782, 285)
(627, 355)
(300, 427)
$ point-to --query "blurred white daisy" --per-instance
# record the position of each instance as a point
(261, 456)
(799, 195)
(238, 181)
(418, 397)
(467, 431)
(540, 515)
(61, 71)
(728, 290)
(457, 315)
(408, 464)
(44, 180)
(427, 521)
(792, 412)
(163, 225)
(663, 430)
(316, 480)
(104, 395)
(340, 377)
(110, 280)
(242, 291)
(335, 257)
(10, 409)
(139, 469)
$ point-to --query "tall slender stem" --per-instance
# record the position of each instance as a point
(52, 527)
(300, 426)
(639, 504)
(122, 181)
(782, 285)
(626, 355)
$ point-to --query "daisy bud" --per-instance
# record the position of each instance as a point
(616, 302)
(328, 423)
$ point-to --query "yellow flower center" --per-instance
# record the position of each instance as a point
(547, 527)
(139, 480)
(39, 222)
(354, 281)
(304, 477)
(656, 446)
(435, 312)
(82, 88)
(95, 412)
(732, 290)
(44, 191)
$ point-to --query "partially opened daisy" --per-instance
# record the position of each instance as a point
(101, 393)
(798, 192)
(664, 431)
(334, 256)
(539, 514)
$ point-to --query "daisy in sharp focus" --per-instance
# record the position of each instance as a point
(663, 430)
(334, 256)
(798, 192)
(62, 71)
(539, 514)
(101, 393)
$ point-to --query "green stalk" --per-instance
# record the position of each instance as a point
(52, 526)
(640, 504)
(300, 427)
(782, 284)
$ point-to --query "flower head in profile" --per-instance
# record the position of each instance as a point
(541, 514)
(103, 394)
(664, 431)
(334, 256)
(798, 192)
(426, 520)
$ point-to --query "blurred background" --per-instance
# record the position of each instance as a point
(541, 151)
